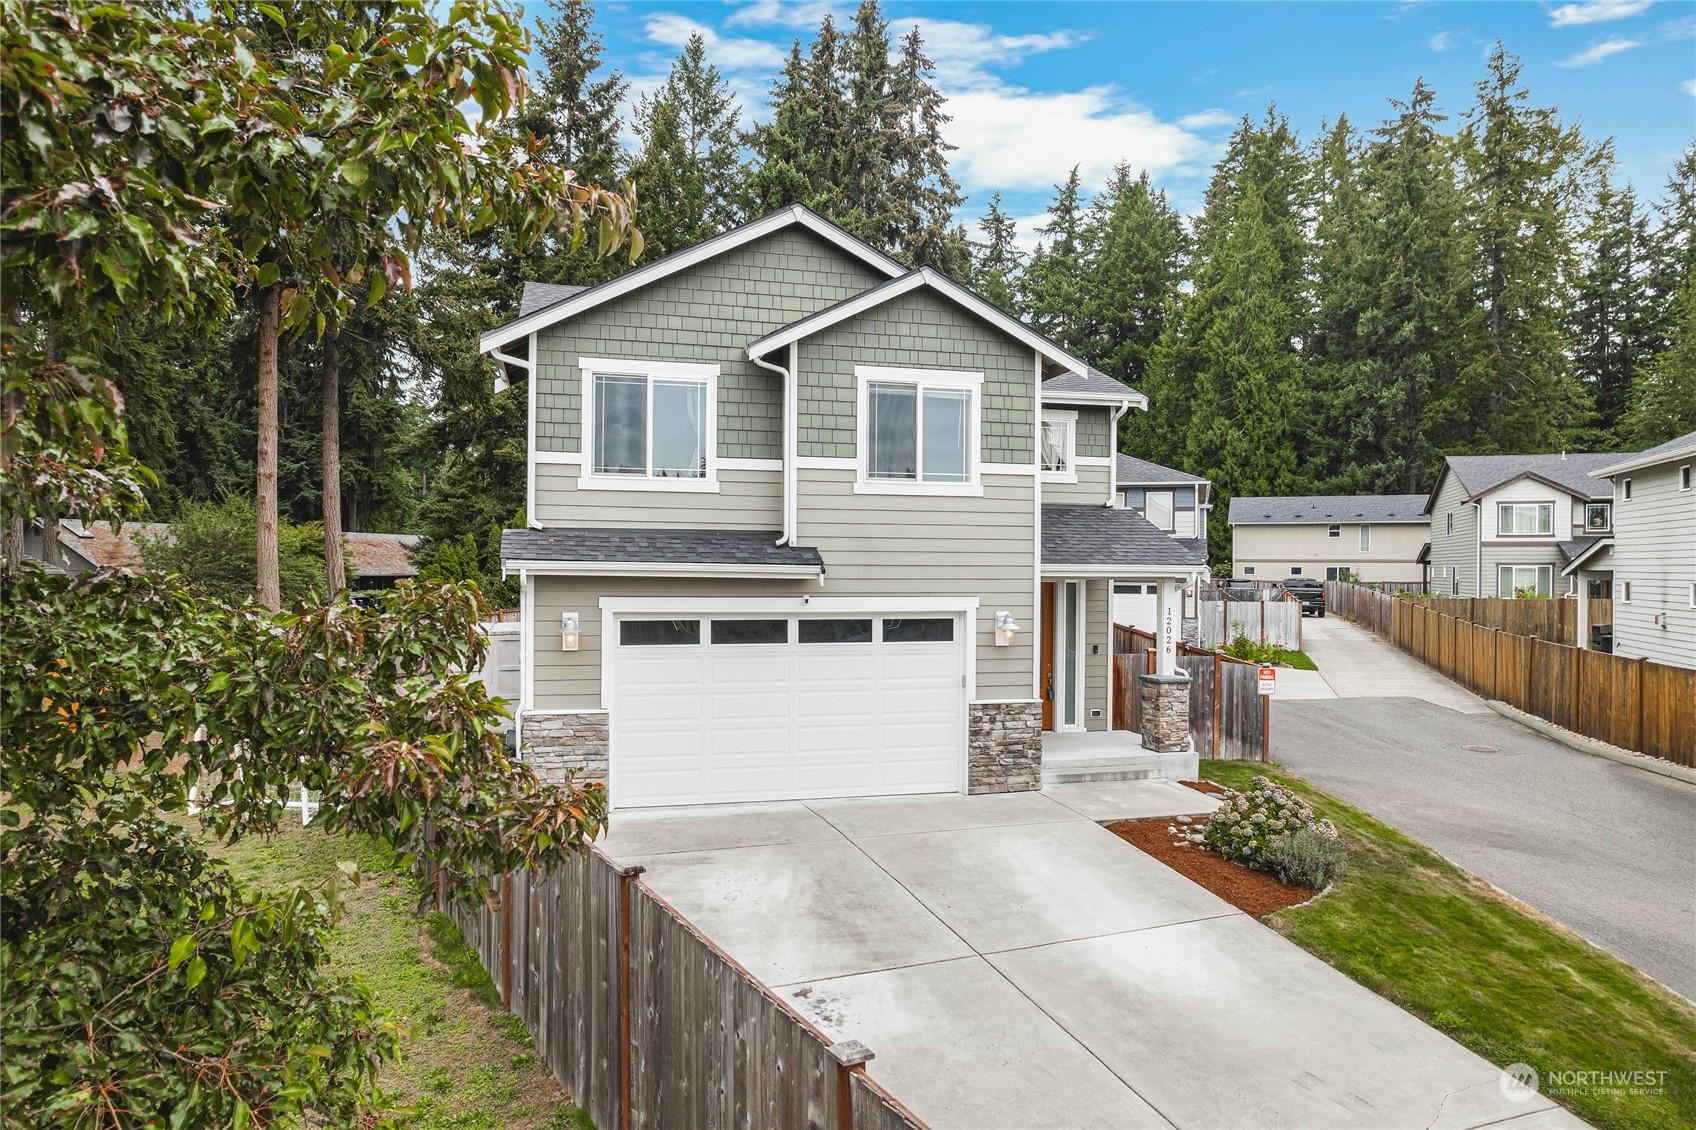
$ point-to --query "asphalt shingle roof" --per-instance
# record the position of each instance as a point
(664, 547)
(1571, 549)
(1571, 472)
(1093, 383)
(1328, 508)
(1131, 471)
(381, 555)
(1102, 535)
(540, 295)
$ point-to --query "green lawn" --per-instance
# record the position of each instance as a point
(1266, 653)
(467, 1064)
(1500, 978)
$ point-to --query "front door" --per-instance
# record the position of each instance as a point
(1048, 655)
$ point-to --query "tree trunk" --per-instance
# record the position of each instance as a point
(12, 543)
(335, 570)
(270, 583)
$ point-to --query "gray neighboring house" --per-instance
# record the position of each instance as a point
(1519, 522)
(1174, 501)
(1652, 553)
(805, 523)
(1374, 537)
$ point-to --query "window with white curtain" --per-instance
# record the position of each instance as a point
(1524, 580)
(649, 421)
(918, 431)
(1525, 519)
(1059, 444)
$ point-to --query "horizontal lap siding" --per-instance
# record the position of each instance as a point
(1089, 490)
(1457, 551)
(1098, 672)
(935, 545)
(746, 500)
(1655, 549)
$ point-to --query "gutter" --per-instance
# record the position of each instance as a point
(1113, 455)
(1478, 547)
(790, 427)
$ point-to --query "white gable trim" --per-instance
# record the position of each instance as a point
(944, 286)
(682, 260)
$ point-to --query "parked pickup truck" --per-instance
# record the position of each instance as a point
(1310, 592)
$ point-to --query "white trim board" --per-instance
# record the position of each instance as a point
(659, 569)
(621, 605)
(682, 260)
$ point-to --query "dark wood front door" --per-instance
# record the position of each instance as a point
(1048, 655)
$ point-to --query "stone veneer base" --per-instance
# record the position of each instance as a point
(1004, 747)
(1165, 713)
(553, 742)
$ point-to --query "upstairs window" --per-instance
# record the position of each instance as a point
(1449, 522)
(649, 423)
(918, 429)
(1159, 507)
(1366, 537)
(1598, 517)
(1333, 531)
(1059, 445)
(1525, 519)
(1684, 477)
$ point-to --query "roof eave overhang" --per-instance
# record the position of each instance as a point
(1546, 481)
(660, 569)
(1640, 462)
(1579, 561)
(1106, 400)
(671, 264)
(1126, 572)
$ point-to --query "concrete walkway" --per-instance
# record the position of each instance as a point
(1012, 963)
(1357, 664)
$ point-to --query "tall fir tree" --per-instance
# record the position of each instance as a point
(1610, 321)
(1332, 348)
(1137, 243)
(1052, 284)
(996, 259)
(1514, 389)
(1663, 397)
(688, 172)
(923, 194)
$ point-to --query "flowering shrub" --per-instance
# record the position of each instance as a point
(1245, 824)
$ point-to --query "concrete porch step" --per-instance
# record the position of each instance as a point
(1122, 767)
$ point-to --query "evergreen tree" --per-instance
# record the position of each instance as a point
(1333, 350)
(1672, 252)
(785, 163)
(1514, 389)
(1663, 397)
(923, 196)
(1053, 282)
(689, 173)
(1610, 322)
(1137, 241)
(996, 260)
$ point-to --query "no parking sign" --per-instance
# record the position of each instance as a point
(1268, 680)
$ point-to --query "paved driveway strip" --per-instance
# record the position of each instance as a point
(1012, 963)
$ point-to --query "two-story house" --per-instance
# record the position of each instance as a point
(1508, 525)
(1178, 503)
(1651, 554)
(1371, 537)
(805, 523)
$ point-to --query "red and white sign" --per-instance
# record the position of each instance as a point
(1268, 680)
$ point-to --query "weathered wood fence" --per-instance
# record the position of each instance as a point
(1229, 718)
(1277, 622)
(646, 1023)
(1631, 703)
(1555, 620)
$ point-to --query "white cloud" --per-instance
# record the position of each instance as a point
(1443, 41)
(803, 15)
(1596, 12)
(1594, 54)
(674, 30)
(1208, 119)
(964, 52)
(1689, 87)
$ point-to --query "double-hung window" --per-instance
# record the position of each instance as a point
(1366, 537)
(1524, 580)
(918, 430)
(1059, 446)
(1598, 517)
(649, 424)
(1525, 519)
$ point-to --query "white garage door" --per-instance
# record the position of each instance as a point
(1135, 605)
(749, 707)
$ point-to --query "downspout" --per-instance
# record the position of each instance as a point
(787, 376)
(1478, 547)
(1113, 453)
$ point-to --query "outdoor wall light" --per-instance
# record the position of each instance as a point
(1005, 629)
(568, 631)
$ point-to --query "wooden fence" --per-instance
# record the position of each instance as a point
(1631, 703)
(1554, 620)
(646, 1023)
(1277, 622)
(1229, 718)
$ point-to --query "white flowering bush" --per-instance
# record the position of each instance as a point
(1246, 824)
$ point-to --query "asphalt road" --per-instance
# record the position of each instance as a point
(1605, 849)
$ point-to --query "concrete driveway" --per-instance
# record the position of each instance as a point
(1356, 664)
(1012, 963)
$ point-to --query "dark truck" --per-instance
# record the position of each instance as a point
(1310, 592)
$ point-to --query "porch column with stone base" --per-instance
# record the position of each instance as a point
(553, 742)
(1166, 713)
(1004, 747)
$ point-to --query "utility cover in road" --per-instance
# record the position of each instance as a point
(1268, 679)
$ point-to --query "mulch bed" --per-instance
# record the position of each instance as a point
(1203, 786)
(1252, 892)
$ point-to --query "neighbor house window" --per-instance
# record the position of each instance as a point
(1524, 580)
(649, 421)
(1296, 571)
(1332, 572)
(1365, 537)
(1625, 486)
(1693, 595)
(1525, 518)
(1333, 531)
(918, 428)
(1598, 517)
(1624, 591)
(1059, 444)
(1684, 477)
(1449, 522)
(1248, 570)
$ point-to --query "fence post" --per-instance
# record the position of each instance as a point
(1218, 699)
(626, 877)
(851, 1057)
(1265, 727)
(1638, 744)
(506, 939)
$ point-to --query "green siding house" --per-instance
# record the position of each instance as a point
(804, 523)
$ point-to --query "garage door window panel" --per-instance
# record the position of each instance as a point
(909, 630)
(836, 631)
(659, 633)
(750, 631)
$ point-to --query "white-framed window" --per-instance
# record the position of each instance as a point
(1524, 580)
(1332, 572)
(1366, 537)
(1059, 446)
(1598, 517)
(1160, 508)
(1454, 583)
(1625, 488)
(918, 431)
(1449, 522)
(1624, 591)
(1693, 594)
(649, 425)
(1248, 570)
(1684, 477)
(1525, 519)
(1295, 571)
(1333, 531)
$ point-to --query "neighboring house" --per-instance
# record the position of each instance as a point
(1652, 553)
(1374, 537)
(808, 524)
(377, 561)
(1518, 522)
(84, 547)
(1174, 501)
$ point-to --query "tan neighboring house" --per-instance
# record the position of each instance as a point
(1374, 537)
(1651, 554)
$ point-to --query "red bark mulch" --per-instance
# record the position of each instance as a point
(1203, 786)
(1252, 892)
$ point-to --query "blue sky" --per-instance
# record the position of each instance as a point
(1038, 87)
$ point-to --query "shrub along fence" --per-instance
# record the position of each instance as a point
(1631, 703)
(1229, 718)
(646, 1023)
